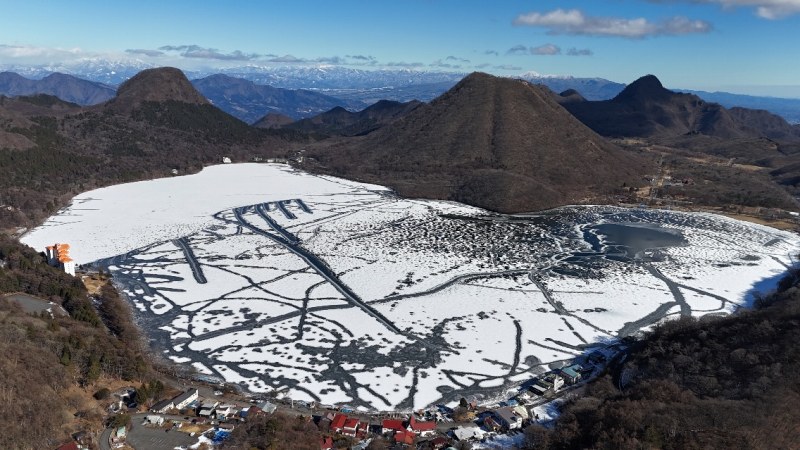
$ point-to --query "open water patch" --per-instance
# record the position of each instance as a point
(631, 239)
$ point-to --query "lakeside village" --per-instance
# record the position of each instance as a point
(212, 418)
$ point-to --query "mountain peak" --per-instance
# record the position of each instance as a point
(498, 143)
(570, 96)
(646, 87)
(157, 85)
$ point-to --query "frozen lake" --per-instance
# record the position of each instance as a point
(341, 292)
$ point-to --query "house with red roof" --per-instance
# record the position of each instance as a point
(350, 427)
(392, 426)
(422, 428)
(326, 443)
(404, 437)
(337, 424)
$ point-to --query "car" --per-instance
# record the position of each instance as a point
(217, 392)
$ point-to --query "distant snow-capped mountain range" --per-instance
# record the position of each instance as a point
(367, 86)
(288, 77)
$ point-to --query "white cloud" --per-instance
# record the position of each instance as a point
(290, 59)
(546, 49)
(25, 52)
(196, 51)
(145, 52)
(574, 21)
(767, 9)
(405, 64)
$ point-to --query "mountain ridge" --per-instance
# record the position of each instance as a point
(250, 101)
(645, 108)
(498, 143)
(65, 87)
(339, 121)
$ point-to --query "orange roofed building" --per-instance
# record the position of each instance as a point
(58, 256)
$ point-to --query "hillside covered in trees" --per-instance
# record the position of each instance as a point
(52, 365)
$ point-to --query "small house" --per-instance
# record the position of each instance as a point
(571, 374)
(152, 419)
(225, 411)
(508, 418)
(326, 444)
(522, 412)
(337, 424)
(183, 400)
(350, 427)
(208, 409)
(539, 389)
(267, 407)
(422, 428)
(467, 433)
(404, 437)
(392, 426)
(162, 407)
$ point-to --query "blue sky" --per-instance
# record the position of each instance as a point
(748, 46)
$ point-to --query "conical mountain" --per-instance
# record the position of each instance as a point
(646, 88)
(498, 143)
(159, 85)
(646, 109)
(569, 96)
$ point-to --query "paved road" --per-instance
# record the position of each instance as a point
(105, 436)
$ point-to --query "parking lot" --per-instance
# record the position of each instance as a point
(142, 437)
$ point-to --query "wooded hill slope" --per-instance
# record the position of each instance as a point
(497, 143)
(713, 383)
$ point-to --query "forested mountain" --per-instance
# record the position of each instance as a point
(646, 109)
(158, 122)
(498, 143)
(339, 121)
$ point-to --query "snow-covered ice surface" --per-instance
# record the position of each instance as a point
(341, 292)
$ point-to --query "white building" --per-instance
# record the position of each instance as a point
(185, 399)
(153, 419)
(58, 256)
